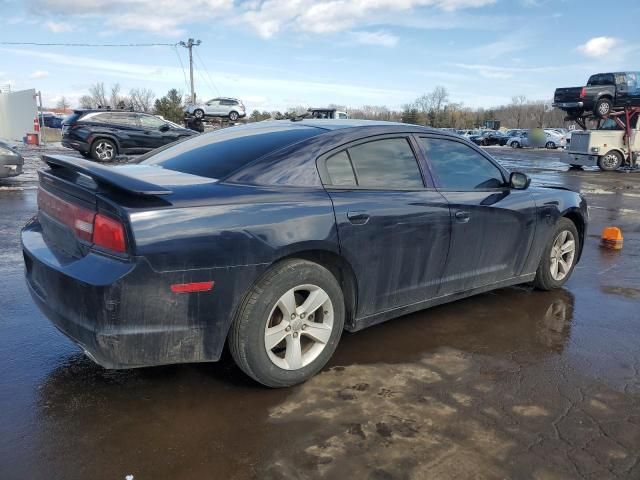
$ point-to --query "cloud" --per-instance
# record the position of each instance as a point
(58, 27)
(166, 17)
(500, 72)
(598, 46)
(378, 38)
(39, 74)
(269, 17)
(265, 17)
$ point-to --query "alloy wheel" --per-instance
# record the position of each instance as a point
(563, 254)
(299, 327)
(603, 109)
(105, 151)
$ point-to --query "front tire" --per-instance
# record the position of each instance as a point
(559, 257)
(550, 145)
(103, 150)
(515, 144)
(610, 161)
(289, 324)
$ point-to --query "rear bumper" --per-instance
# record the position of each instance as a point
(123, 313)
(76, 145)
(10, 166)
(568, 104)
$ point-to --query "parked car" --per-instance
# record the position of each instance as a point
(223, 107)
(470, 133)
(327, 113)
(103, 134)
(489, 137)
(514, 132)
(11, 161)
(253, 236)
(51, 120)
(603, 92)
(555, 139)
(536, 138)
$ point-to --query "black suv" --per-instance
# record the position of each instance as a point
(103, 134)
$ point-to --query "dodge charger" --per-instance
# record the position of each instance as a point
(275, 237)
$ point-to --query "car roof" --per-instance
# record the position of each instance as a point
(338, 124)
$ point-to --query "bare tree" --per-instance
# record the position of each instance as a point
(86, 101)
(63, 103)
(98, 96)
(141, 99)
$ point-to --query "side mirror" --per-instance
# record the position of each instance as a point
(164, 128)
(519, 181)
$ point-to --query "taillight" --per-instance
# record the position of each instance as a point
(101, 230)
(78, 218)
(583, 92)
(108, 233)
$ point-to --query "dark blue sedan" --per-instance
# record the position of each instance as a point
(275, 236)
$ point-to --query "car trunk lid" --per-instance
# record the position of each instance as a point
(84, 206)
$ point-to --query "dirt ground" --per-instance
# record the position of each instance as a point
(515, 383)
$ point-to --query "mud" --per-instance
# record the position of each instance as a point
(511, 384)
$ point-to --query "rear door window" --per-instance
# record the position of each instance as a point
(387, 164)
(340, 170)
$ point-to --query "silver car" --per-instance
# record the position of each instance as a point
(11, 161)
(224, 107)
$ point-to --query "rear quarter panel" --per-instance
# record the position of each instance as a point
(242, 225)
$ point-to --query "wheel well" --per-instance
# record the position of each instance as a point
(620, 152)
(578, 221)
(341, 269)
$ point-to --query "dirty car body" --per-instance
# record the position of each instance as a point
(196, 238)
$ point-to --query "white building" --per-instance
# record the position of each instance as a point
(18, 111)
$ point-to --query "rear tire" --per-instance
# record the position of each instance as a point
(233, 116)
(103, 150)
(277, 302)
(553, 258)
(603, 107)
(610, 161)
(198, 113)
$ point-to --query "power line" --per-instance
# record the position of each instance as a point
(211, 82)
(91, 44)
(184, 74)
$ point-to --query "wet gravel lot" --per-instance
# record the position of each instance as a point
(511, 384)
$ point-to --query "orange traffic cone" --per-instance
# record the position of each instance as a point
(611, 238)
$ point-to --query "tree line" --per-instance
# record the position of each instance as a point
(432, 109)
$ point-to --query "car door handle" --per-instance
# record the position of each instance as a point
(358, 217)
(462, 216)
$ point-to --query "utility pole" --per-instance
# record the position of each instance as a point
(189, 44)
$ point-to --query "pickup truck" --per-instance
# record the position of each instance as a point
(605, 147)
(603, 93)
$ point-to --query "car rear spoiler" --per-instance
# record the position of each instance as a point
(106, 175)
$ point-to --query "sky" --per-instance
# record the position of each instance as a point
(276, 54)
